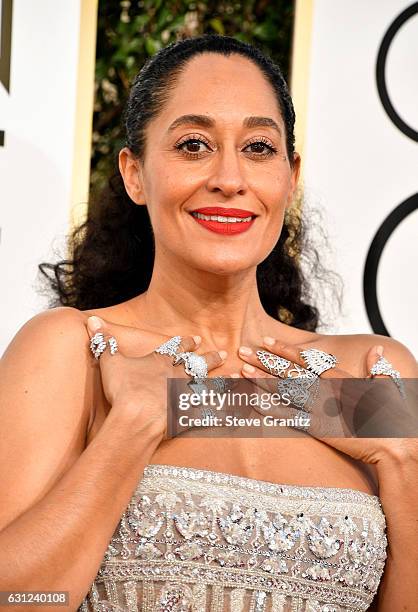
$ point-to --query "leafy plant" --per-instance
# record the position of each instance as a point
(129, 32)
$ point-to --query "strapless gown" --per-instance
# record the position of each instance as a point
(197, 540)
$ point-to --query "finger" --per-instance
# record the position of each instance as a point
(189, 343)
(261, 376)
(293, 353)
(102, 343)
(253, 366)
(214, 359)
(372, 357)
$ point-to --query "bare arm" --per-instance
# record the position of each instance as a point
(60, 502)
(398, 478)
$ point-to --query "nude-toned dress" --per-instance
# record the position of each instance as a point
(197, 540)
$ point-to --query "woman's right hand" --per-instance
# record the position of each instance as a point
(138, 385)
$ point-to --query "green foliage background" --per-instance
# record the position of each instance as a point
(130, 31)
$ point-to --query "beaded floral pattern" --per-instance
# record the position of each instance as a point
(196, 540)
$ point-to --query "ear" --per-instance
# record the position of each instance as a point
(131, 171)
(295, 170)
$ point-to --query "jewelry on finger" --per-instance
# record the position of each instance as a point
(97, 344)
(194, 365)
(197, 386)
(297, 371)
(113, 345)
(301, 390)
(275, 364)
(383, 367)
(220, 383)
(318, 361)
(170, 347)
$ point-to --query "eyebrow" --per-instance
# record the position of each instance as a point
(208, 122)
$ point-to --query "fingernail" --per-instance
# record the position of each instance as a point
(245, 350)
(197, 339)
(222, 354)
(248, 368)
(379, 350)
(94, 323)
(269, 341)
(234, 375)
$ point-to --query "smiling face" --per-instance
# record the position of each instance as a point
(217, 147)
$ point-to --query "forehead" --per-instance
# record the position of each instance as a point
(221, 86)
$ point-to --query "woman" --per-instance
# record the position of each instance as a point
(209, 133)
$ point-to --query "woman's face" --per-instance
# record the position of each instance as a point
(230, 155)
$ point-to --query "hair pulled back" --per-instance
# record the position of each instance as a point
(112, 251)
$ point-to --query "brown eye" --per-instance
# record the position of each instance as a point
(262, 149)
(191, 146)
(258, 147)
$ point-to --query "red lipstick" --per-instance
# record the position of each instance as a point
(225, 227)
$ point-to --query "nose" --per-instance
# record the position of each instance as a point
(227, 176)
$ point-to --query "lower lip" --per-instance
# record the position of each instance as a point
(227, 228)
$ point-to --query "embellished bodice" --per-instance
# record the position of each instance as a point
(196, 540)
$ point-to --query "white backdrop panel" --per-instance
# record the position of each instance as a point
(358, 165)
(36, 160)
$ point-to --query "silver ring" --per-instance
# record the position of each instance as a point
(194, 365)
(275, 364)
(97, 344)
(113, 345)
(220, 383)
(170, 347)
(318, 361)
(302, 389)
(383, 367)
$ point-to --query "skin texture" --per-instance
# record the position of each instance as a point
(205, 284)
(91, 446)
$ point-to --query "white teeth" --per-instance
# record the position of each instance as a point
(220, 218)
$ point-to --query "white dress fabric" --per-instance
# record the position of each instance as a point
(196, 540)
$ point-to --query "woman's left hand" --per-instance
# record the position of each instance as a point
(371, 450)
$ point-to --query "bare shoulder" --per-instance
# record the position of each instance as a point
(54, 326)
(351, 350)
(46, 388)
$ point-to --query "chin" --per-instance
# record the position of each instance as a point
(226, 268)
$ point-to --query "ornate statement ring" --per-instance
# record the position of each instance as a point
(98, 345)
(318, 361)
(383, 367)
(275, 364)
(113, 345)
(194, 365)
(170, 347)
(298, 383)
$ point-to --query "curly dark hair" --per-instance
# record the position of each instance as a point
(112, 251)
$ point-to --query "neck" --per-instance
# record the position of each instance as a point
(224, 310)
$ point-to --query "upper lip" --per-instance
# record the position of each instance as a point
(224, 212)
